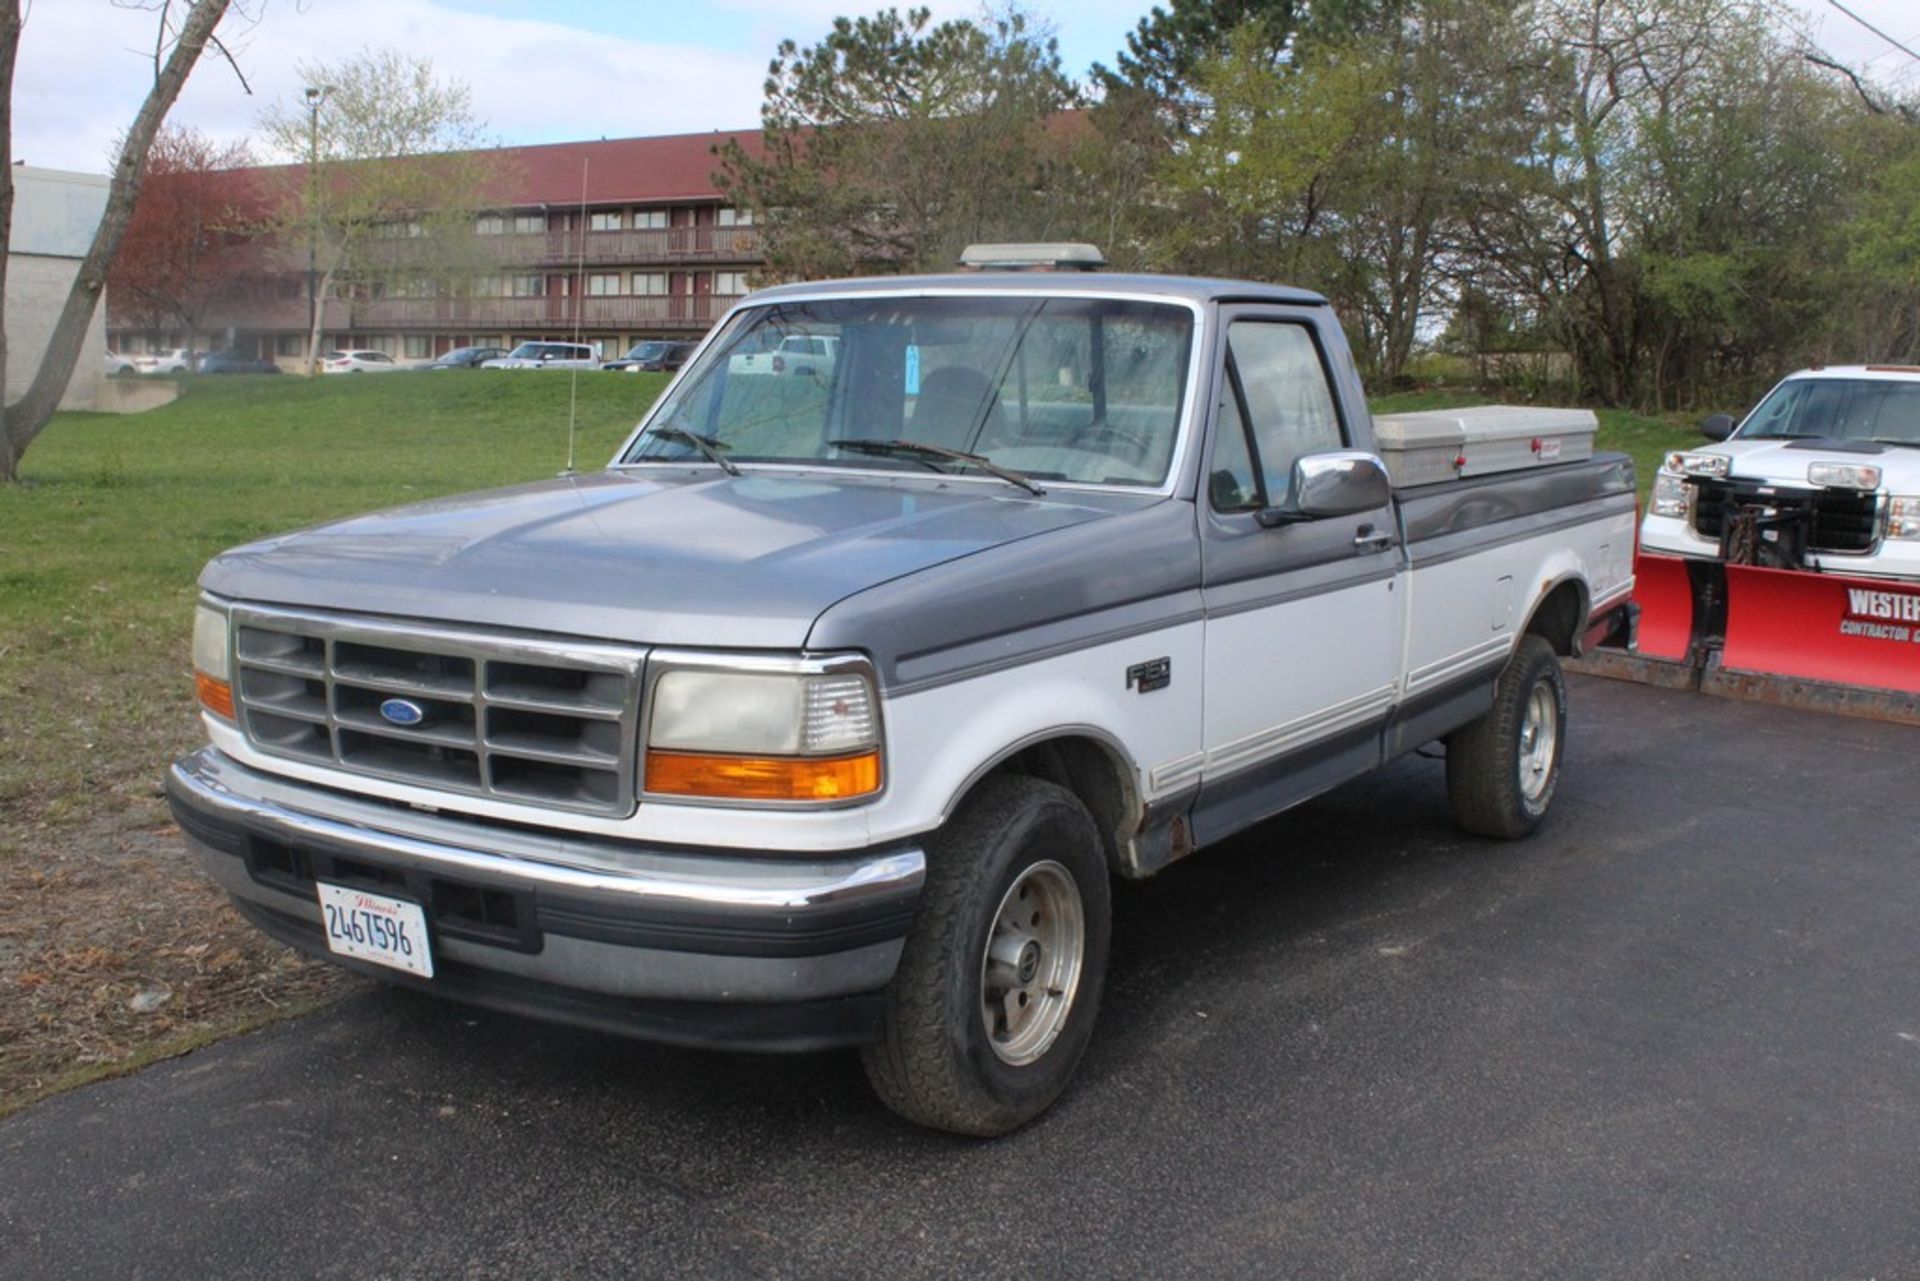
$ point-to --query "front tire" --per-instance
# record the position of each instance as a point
(1503, 768)
(998, 985)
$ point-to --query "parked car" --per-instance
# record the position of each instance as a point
(464, 358)
(547, 355)
(235, 362)
(357, 360)
(828, 719)
(118, 365)
(653, 356)
(1823, 475)
(802, 355)
(174, 360)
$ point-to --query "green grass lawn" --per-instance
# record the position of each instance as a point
(100, 548)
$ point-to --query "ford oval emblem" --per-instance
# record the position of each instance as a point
(401, 711)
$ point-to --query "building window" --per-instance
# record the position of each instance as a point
(604, 285)
(606, 220)
(736, 217)
(490, 225)
(290, 345)
(649, 218)
(489, 287)
(650, 283)
(527, 286)
(729, 283)
(418, 346)
(529, 224)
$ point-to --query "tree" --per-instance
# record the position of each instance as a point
(390, 180)
(892, 143)
(177, 50)
(195, 210)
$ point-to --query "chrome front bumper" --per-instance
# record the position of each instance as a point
(671, 944)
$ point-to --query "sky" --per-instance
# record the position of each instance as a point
(557, 70)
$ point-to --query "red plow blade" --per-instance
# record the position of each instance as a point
(1665, 596)
(1820, 627)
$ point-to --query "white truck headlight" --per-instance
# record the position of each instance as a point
(212, 673)
(1686, 464)
(742, 735)
(1669, 495)
(1903, 518)
(1844, 475)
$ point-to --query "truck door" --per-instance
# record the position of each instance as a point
(1303, 620)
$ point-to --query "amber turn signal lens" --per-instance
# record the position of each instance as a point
(759, 778)
(215, 696)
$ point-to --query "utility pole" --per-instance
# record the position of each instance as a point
(316, 95)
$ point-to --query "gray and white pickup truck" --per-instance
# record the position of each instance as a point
(826, 712)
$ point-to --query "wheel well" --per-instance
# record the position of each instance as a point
(1559, 617)
(1094, 773)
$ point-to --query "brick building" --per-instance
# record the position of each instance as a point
(618, 240)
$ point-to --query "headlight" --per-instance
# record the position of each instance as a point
(763, 735)
(211, 673)
(1669, 495)
(1697, 464)
(1844, 475)
(1903, 518)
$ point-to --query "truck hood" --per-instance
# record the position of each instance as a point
(678, 557)
(1785, 461)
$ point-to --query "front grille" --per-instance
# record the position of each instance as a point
(543, 723)
(1839, 520)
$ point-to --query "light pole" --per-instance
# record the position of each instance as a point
(316, 95)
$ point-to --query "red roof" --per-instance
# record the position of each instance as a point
(616, 170)
(676, 167)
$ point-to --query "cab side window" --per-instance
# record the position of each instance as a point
(1277, 407)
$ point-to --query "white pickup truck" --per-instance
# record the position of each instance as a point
(826, 712)
(1824, 474)
(800, 355)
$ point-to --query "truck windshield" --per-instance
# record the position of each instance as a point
(1877, 409)
(1082, 390)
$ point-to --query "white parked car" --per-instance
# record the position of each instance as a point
(799, 354)
(1824, 474)
(118, 364)
(548, 355)
(174, 360)
(357, 361)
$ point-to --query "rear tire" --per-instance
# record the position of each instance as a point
(1503, 768)
(1001, 977)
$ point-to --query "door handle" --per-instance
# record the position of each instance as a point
(1367, 540)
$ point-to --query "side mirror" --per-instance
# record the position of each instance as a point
(1345, 482)
(1718, 426)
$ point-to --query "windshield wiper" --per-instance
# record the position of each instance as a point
(705, 444)
(915, 449)
(1895, 440)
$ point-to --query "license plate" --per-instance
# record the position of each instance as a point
(373, 927)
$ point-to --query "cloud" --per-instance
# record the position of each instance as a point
(83, 70)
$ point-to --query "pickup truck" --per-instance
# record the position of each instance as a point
(827, 711)
(803, 355)
(1824, 474)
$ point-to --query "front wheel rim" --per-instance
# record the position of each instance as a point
(1539, 741)
(1031, 965)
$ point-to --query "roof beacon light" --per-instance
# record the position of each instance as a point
(1032, 257)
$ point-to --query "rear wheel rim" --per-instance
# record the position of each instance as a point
(1539, 741)
(1031, 965)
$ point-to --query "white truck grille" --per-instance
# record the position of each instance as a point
(543, 723)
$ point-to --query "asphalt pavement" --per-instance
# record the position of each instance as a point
(1677, 1033)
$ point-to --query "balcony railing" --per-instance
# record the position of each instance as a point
(645, 247)
(689, 311)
